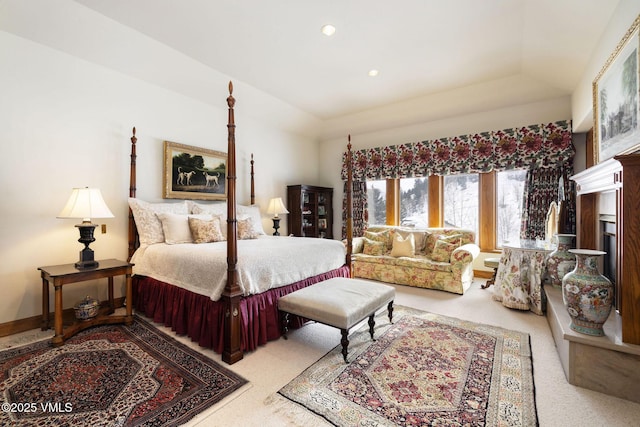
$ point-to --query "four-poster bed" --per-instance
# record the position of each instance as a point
(239, 312)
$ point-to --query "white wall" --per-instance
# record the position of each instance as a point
(582, 99)
(67, 122)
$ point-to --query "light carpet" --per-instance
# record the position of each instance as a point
(425, 369)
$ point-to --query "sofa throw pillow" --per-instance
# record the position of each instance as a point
(418, 237)
(442, 250)
(372, 247)
(430, 240)
(380, 236)
(205, 230)
(403, 246)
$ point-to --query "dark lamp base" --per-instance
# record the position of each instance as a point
(276, 225)
(86, 260)
(86, 265)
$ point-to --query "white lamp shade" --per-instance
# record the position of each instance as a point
(276, 207)
(85, 203)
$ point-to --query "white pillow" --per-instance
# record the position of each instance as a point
(147, 222)
(217, 208)
(403, 246)
(252, 212)
(176, 227)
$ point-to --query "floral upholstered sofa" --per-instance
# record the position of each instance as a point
(434, 258)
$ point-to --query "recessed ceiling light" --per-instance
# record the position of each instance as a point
(328, 29)
(373, 73)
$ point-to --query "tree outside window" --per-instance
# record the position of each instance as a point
(414, 195)
(510, 194)
(377, 202)
(461, 201)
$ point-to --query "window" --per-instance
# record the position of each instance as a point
(414, 194)
(377, 201)
(461, 194)
(488, 203)
(509, 195)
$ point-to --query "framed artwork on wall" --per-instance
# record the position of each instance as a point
(194, 173)
(616, 101)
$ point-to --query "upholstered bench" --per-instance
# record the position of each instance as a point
(338, 302)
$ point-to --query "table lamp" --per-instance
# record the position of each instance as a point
(86, 203)
(276, 207)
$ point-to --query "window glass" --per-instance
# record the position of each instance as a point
(377, 202)
(509, 195)
(461, 201)
(413, 202)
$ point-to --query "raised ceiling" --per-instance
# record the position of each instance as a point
(420, 47)
(436, 58)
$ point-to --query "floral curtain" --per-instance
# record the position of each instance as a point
(359, 204)
(542, 187)
(539, 146)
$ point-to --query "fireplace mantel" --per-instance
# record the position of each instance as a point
(622, 176)
(600, 178)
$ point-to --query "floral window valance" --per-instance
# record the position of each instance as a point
(535, 146)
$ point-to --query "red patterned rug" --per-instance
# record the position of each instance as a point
(110, 376)
(423, 370)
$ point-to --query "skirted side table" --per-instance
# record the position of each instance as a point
(519, 277)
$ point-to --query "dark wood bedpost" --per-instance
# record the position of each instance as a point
(232, 293)
(253, 187)
(349, 206)
(133, 235)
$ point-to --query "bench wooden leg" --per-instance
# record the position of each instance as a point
(390, 311)
(345, 343)
(285, 324)
(372, 324)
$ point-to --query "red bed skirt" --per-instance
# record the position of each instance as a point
(200, 318)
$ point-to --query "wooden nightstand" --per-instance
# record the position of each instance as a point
(61, 275)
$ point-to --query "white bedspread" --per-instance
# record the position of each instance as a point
(263, 263)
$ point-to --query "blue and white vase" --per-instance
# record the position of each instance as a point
(587, 294)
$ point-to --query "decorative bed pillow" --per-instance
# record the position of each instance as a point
(147, 222)
(205, 230)
(216, 208)
(246, 229)
(372, 247)
(176, 227)
(252, 212)
(242, 212)
(442, 250)
(403, 246)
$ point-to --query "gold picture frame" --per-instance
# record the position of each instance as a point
(616, 105)
(194, 173)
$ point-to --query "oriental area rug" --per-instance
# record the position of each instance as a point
(423, 370)
(113, 375)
